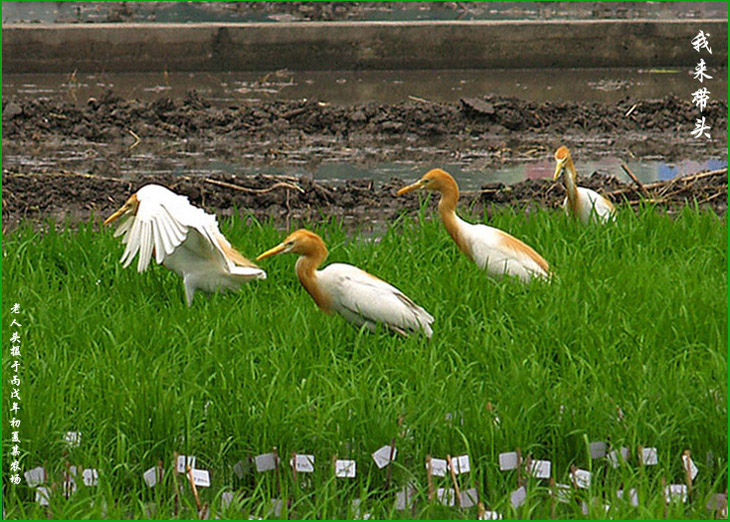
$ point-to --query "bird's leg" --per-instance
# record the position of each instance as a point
(189, 291)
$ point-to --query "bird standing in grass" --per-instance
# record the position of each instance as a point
(359, 297)
(183, 238)
(584, 204)
(493, 250)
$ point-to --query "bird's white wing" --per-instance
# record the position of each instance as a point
(593, 203)
(365, 299)
(153, 228)
(500, 253)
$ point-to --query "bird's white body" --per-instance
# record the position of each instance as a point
(583, 204)
(363, 299)
(494, 251)
(590, 206)
(184, 239)
(498, 253)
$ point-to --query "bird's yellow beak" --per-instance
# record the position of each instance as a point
(278, 249)
(116, 215)
(415, 186)
(558, 169)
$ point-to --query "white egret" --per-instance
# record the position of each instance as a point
(582, 203)
(183, 238)
(361, 298)
(493, 250)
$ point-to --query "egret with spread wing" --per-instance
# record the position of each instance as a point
(493, 250)
(582, 203)
(359, 297)
(183, 238)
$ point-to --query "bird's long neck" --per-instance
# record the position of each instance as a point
(570, 186)
(306, 267)
(454, 225)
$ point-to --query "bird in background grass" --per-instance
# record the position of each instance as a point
(183, 238)
(361, 298)
(495, 251)
(582, 203)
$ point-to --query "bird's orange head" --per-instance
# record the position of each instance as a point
(436, 179)
(130, 206)
(562, 159)
(302, 242)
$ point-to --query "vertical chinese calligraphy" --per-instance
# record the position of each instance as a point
(701, 96)
(15, 397)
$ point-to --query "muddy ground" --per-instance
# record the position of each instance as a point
(101, 134)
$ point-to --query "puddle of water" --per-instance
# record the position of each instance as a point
(347, 87)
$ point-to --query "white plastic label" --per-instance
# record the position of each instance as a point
(447, 496)
(469, 498)
(183, 462)
(382, 456)
(461, 464)
(540, 469)
(35, 477)
(689, 463)
(42, 496)
(597, 449)
(490, 515)
(438, 467)
(616, 456)
(240, 468)
(582, 478)
(201, 478)
(507, 461)
(563, 493)
(226, 499)
(73, 438)
(633, 496)
(302, 463)
(648, 457)
(150, 477)
(676, 492)
(517, 498)
(265, 462)
(345, 468)
(90, 477)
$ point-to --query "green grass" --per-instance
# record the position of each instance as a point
(636, 318)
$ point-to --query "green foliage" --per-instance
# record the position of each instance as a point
(635, 318)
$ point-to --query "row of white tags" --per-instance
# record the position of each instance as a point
(37, 476)
(201, 477)
(303, 463)
(439, 467)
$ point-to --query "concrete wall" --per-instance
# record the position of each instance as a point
(358, 45)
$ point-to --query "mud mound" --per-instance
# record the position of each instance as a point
(111, 117)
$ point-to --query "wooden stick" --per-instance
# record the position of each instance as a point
(429, 474)
(664, 495)
(174, 482)
(453, 479)
(519, 467)
(390, 464)
(192, 485)
(688, 472)
(480, 509)
(635, 179)
(640, 453)
(553, 500)
(276, 465)
(294, 466)
(283, 184)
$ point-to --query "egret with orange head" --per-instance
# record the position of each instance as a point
(582, 203)
(183, 238)
(361, 298)
(493, 250)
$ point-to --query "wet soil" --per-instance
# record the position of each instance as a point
(484, 132)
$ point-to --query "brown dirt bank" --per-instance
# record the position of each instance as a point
(78, 197)
(103, 133)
